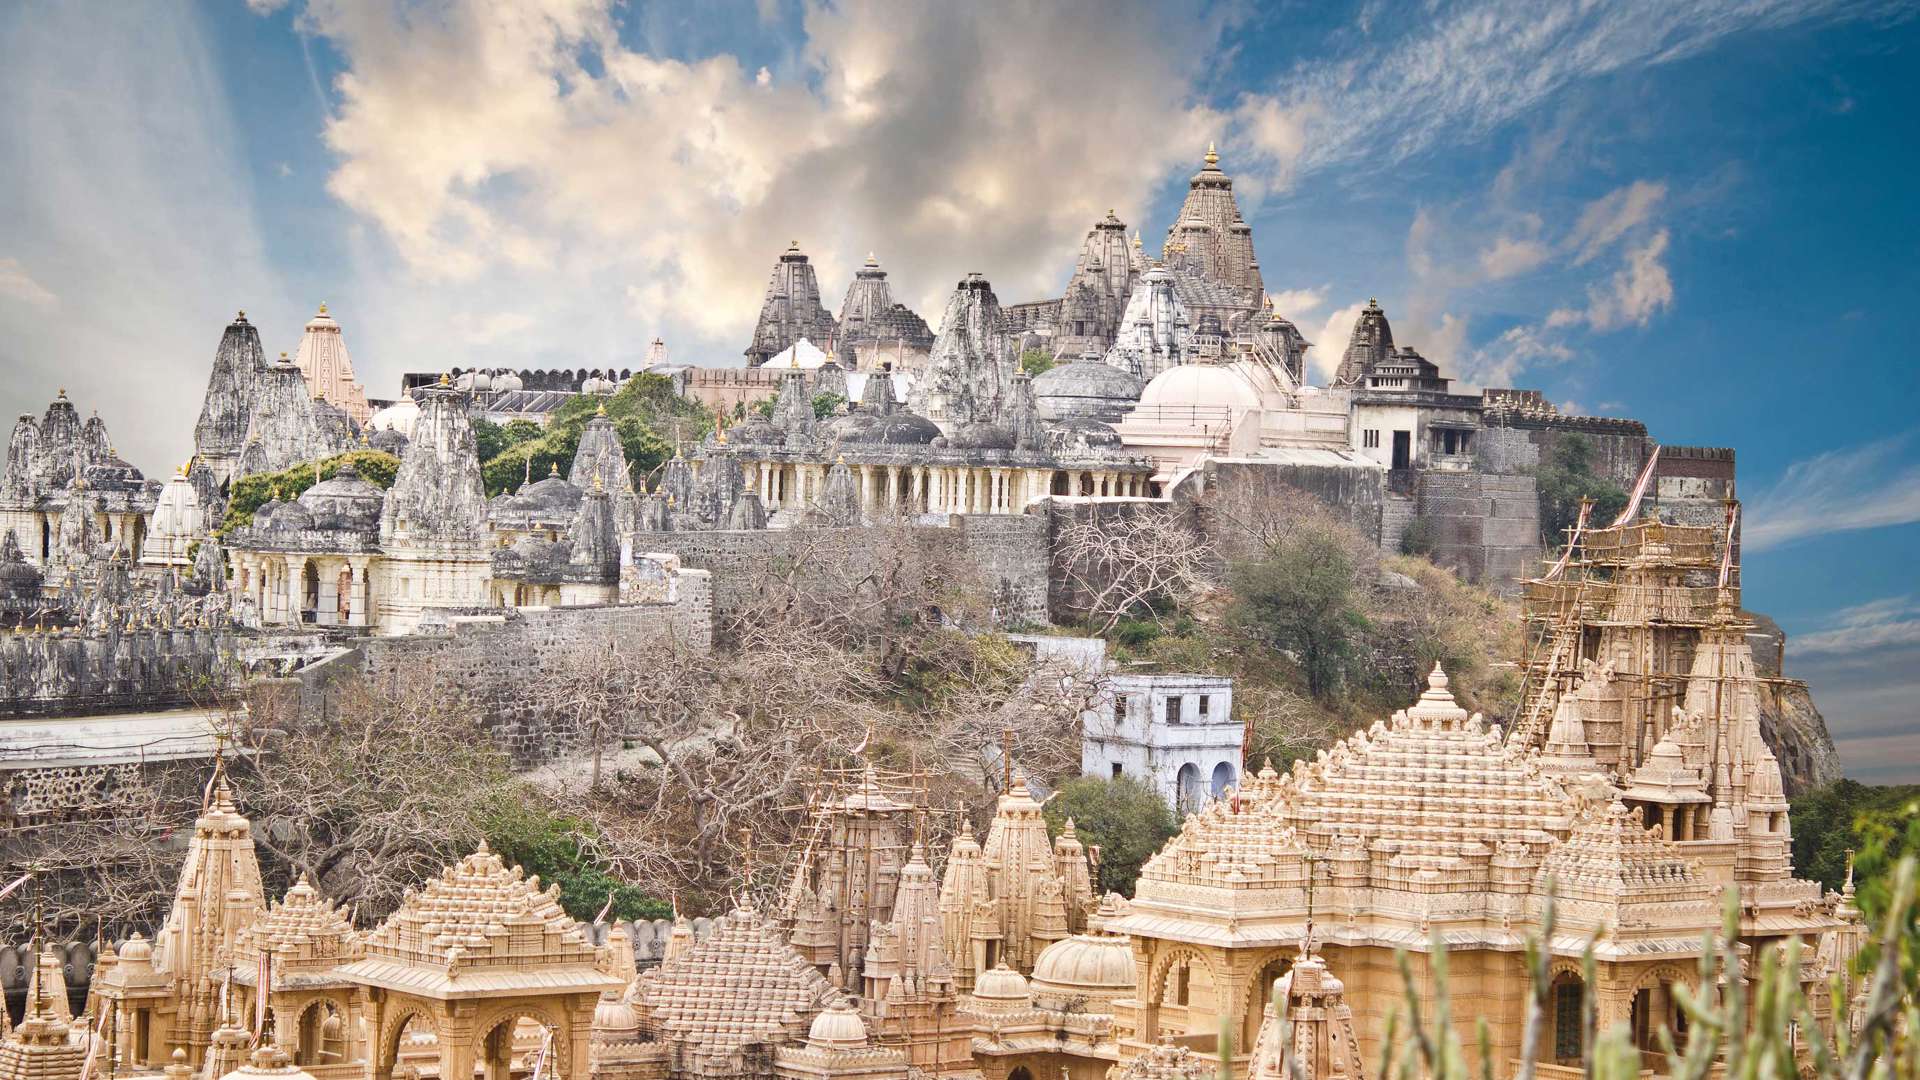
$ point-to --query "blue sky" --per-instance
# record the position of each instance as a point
(1699, 213)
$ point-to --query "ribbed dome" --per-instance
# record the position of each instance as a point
(1086, 378)
(1002, 986)
(1082, 434)
(280, 516)
(1095, 966)
(614, 1014)
(137, 949)
(839, 1027)
(388, 441)
(269, 1061)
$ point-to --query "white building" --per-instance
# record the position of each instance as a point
(1176, 732)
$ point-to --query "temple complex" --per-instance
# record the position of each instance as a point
(66, 497)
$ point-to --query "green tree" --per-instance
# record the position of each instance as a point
(825, 405)
(1564, 478)
(1036, 362)
(647, 415)
(1300, 598)
(250, 493)
(1125, 817)
(493, 439)
(1844, 816)
(562, 850)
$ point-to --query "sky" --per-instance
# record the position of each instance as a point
(1696, 213)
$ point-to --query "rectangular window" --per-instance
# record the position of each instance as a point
(1205, 701)
(1119, 710)
(1370, 438)
(1118, 769)
(1566, 1022)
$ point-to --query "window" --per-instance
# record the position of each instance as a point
(1204, 702)
(1119, 710)
(1567, 1021)
(1370, 439)
(1118, 770)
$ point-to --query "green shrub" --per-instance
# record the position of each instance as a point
(561, 850)
(1124, 817)
(250, 493)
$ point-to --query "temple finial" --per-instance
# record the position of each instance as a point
(1212, 158)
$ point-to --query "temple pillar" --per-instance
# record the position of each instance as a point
(357, 596)
(1666, 822)
(893, 486)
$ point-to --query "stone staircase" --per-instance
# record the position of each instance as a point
(1396, 513)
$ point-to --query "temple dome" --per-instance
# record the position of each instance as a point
(981, 436)
(1086, 387)
(838, 1026)
(398, 416)
(1002, 986)
(1095, 966)
(343, 501)
(269, 1060)
(896, 428)
(1238, 387)
(1082, 435)
(388, 441)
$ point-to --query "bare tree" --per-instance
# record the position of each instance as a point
(367, 802)
(1128, 560)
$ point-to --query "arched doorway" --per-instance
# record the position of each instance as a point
(1260, 996)
(1187, 785)
(322, 1035)
(1223, 778)
(309, 591)
(410, 1049)
(520, 1044)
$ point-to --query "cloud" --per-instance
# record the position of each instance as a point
(133, 209)
(1877, 624)
(17, 284)
(1510, 256)
(265, 7)
(1870, 486)
(1457, 72)
(1638, 291)
(1610, 217)
(525, 158)
(1298, 304)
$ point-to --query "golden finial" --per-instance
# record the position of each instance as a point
(446, 379)
(323, 307)
(1136, 239)
(598, 484)
(241, 316)
(841, 460)
(1212, 158)
(602, 410)
(63, 393)
(553, 468)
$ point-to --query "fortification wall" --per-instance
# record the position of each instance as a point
(1009, 550)
(1238, 489)
(1519, 444)
(1485, 527)
(64, 672)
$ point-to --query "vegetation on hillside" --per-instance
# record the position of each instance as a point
(1850, 816)
(250, 493)
(1123, 816)
(1565, 477)
(650, 419)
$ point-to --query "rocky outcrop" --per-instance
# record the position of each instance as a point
(1789, 721)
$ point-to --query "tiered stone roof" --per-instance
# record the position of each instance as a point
(1168, 1061)
(41, 1047)
(480, 930)
(305, 933)
(743, 985)
(1613, 857)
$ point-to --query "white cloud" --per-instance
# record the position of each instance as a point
(501, 168)
(265, 7)
(17, 284)
(1299, 304)
(1638, 291)
(1459, 71)
(1610, 217)
(1878, 624)
(1510, 256)
(1517, 349)
(1870, 486)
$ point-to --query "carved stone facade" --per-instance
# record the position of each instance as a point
(791, 310)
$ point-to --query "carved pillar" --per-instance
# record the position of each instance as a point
(357, 591)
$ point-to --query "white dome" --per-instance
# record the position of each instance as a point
(1001, 986)
(1239, 387)
(838, 1026)
(1096, 966)
(399, 417)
